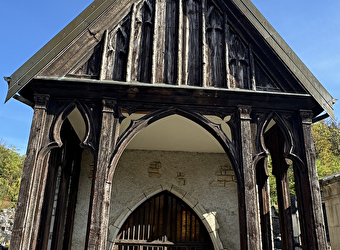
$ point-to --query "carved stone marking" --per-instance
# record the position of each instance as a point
(90, 173)
(225, 175)
(181, 178)
(153, 170)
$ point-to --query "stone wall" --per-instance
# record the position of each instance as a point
(205, 181)
(6, 226)
(330, 187)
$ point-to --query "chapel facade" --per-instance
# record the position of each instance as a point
(154, 124)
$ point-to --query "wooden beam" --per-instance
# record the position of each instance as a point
(275, 142)
(27, 217)
(264, 203)
(101, 190)
(318, 222)
(250, 187)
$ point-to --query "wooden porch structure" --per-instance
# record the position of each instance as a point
(193, 58)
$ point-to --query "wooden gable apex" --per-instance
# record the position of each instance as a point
(203, 43)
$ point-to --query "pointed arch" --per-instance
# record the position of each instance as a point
(88, 140)
(138, 125)
(191, 205)
(290, 140)
(61, 161)
(277, 139)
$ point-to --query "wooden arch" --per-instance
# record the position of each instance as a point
(137, 125)
(88, 141)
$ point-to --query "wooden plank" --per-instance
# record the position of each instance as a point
(192, 37)
(226, 46)
(250, 187)
(104, 62)
(101, 193)
(158, 51)
(181, 45)
(206, 63)
(252, 69)
(319, 227)
(215, 34)
(264, 203)
(44, 230)
(131, 54)
(25, 219)
(275, 142)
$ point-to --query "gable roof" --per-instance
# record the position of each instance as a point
(86, 22)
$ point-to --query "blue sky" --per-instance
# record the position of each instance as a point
(311, 28)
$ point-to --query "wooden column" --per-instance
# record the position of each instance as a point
(275, 142)
(285, 214)
(101, 190)
(27, 217)
(250, 189)
(318, 222)
(264, 203)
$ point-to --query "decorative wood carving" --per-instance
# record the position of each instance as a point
(186, 42)
(216, 75)
(166, 42)
(92, 66)
(250, 195)
(142, 37)
(101, 187)
(117, 51)
(192, 41)
(238, 62)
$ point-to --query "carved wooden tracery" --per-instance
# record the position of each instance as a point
(250, 170)
(194, 43)
(188, 42)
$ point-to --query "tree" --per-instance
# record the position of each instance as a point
(11, 163)
(327, 147)
(326, 136)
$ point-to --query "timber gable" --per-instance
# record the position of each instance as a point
(183, 43)
(178, 43)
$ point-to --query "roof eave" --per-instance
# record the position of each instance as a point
(55, 46)
(282, 49)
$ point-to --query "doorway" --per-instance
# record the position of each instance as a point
(163, 222)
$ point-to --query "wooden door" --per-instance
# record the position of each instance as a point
(164, 222)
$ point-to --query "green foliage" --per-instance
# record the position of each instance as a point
(326, 136)
(11, 163)
(272, 181)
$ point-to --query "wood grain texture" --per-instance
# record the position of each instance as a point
(250, 188)
(214, 35)
(226, 67)
(101, 190)
(23, 234)
(319, 228)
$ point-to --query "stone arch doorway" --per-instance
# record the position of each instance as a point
(163, 222)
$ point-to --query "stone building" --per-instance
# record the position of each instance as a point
(153, 122)
(6, 225)
(330, 187)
